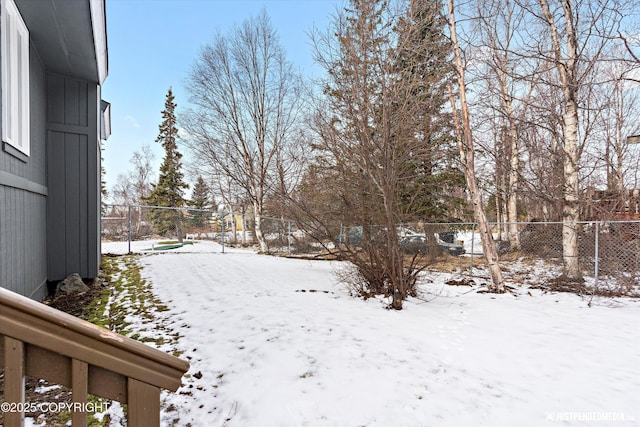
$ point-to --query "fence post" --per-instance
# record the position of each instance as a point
(223, 221)
(473, 236)
(289, 237)
(14, 373)
(596, 253)
(129, 228)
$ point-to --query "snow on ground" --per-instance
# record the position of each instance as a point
(276, 342)
(149, 246)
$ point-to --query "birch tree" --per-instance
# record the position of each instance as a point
(620, 119)
(246, 98)
(499, 23)
(467, 155)
(575, 38)
(133, 186)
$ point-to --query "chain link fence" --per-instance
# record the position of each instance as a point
(609, 251)
(140, 229)
(287, 237)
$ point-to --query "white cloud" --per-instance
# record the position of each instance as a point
(132, 121)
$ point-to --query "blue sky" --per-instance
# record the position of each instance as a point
(153, 44)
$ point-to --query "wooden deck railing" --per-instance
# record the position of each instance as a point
(42, 342)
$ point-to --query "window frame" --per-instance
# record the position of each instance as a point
(14, 55)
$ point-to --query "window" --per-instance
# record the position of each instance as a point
(15, 77)
(105, 120)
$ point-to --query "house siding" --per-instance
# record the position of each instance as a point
(50, 199)
(73, 158)
(22, 242)
(23, 192)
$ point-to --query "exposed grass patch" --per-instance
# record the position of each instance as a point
(132, 298)
(124, 303)
(449, 264)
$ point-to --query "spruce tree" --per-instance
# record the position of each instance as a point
(436, 193)
(200, 200)
(168, 191)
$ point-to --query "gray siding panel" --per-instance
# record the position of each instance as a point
(71, 97)
(20, 246)
(74, 178)
(49, 226)
(3, 230)
(22, 240)
(72, 206)
(70, 101)
(23, 256)
(56, 230)
(93, 203)
(55, 89)
(49, 200)
(83, 191)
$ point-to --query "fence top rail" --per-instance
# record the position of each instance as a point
(493, 223)
(182, 208)
(30, 321)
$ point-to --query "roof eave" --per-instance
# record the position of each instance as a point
(99, 21)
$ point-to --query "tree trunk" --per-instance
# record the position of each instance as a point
(244, 224)
(514, 169)
(501, 25)
(465, 143)
(394, 259)
(234, 223)
(571, 211)
(257, 211)
(566, 64)
(178, 225)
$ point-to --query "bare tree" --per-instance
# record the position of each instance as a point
(356, 136)
(131, 187)
(631, 45)
(575, 37)
(561, 110)
(620, 118)
(499, 23)
(141, 175)
(290, 165)
(542, 171)
(246, 98)
(466, 144)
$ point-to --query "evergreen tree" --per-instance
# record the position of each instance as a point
(104, 193)
(201, 200)
(384, 145)
(422, 56)
(364, 143)
(170, 186)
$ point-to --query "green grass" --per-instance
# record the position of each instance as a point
(128, 306)
(131, 296)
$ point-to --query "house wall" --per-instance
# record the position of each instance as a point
(73, 163)
(23, 194)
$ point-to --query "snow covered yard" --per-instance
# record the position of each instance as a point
(276, 342)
